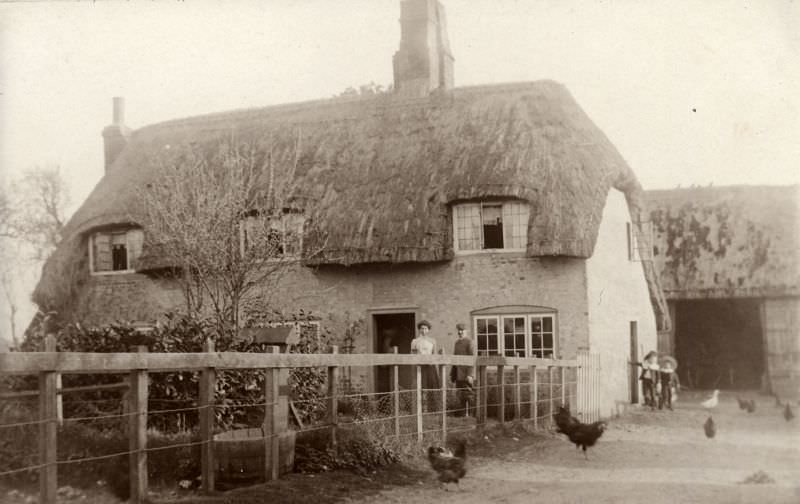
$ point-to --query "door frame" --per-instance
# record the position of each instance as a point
(372, 377)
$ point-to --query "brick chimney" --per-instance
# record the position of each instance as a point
(115, 136)
(423, 63)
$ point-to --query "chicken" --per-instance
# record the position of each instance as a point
(751, 406)
(586, 435)
(712, 401)
(742, 403)
(710, 427)
(788, 414)
(449, 465)
(565, 422)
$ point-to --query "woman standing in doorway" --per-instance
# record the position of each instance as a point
(423, 344)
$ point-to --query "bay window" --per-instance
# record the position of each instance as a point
(516, 335)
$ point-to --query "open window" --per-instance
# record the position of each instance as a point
(501, 225)
(273, 236)
(114, 251)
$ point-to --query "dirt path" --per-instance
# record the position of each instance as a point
(647, 456)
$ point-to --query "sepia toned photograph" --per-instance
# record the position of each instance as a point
(410, 251)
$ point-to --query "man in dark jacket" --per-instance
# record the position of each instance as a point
(463, 375)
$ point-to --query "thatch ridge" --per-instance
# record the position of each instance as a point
(380, 170)
(729, 241)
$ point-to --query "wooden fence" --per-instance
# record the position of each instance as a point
(513, 388)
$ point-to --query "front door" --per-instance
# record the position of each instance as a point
(390, 330)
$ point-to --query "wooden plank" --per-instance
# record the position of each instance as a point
(419, 402)
(333, 399)
(77, 362)
(275, 420)
(483, 394)
(501, 382)
(396, 389)
(517, 396)
(563, 386)
(443, 381)
(208, 378)
(550, 397)
(296, 415)
(137, 434)
(48, 443)
(535, 396)
(50, 346)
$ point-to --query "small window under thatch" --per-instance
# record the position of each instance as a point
(490, 226)
(114, 251)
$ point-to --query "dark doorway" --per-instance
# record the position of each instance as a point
(719, 343)
(393, 329)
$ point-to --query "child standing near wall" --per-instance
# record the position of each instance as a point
(648, 378)
(669, 382)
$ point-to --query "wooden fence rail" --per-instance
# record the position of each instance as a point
(505, 397)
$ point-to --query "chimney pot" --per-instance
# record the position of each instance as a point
(119, 111)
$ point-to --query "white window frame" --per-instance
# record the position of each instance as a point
(481, 204)
(282, 221)
(128, 256)
(640, 240)
(499, 320)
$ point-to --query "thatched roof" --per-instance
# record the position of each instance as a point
(378, 172)
(740, 241)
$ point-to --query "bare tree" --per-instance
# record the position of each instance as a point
(226, 220)
(37, 203)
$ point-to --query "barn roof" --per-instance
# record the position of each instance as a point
(381, 170)
(737, 241)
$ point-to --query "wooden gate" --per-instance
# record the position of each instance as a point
(588, 386)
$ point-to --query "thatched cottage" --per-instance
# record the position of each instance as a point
(500, 206)
(729, 263)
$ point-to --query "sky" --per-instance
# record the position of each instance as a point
(689, 92)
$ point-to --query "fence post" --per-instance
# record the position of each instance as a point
(443, 380)
(550, 397)
(333, 401)
(517, 396)
(137, 431)
(50, 346)
(483, 395)
(419, 402)
(501, 382)
(396, 398)
(208, 378)
(563, 386)
(48, 473)
(535, 396)
(272, 418)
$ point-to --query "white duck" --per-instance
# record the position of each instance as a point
(712, 401)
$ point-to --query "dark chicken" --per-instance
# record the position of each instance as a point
(742, 403)
(449, 465)
(710, 428)
(586, 435)
(751, 406)
(565, 422)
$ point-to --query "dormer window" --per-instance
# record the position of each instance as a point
(114, 251)
(501, 225)
(274, 237)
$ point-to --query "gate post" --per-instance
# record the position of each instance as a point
(48, 474)
(208, 377)
(137, 432)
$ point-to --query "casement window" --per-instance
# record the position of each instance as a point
(490, 226)
(516, 335)
(114, 251)
(276, 237)
(640, 239)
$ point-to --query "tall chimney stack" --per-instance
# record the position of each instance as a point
(115, 136)
(423, 63)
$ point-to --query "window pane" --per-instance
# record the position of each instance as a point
(468, 222)
(487, 335)
(119, 257)
(548, 324)
(536, 324)
(547, 341)
(536, 341)
(101, 252)
(520, 342)
(515, 222)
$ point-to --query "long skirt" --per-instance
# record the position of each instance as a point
(430, 386)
